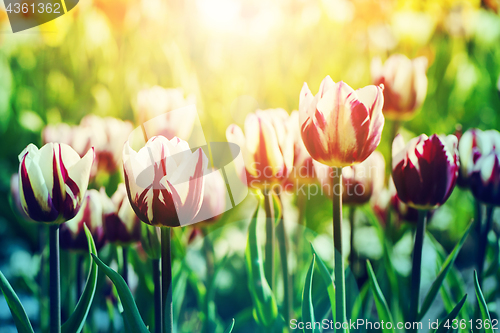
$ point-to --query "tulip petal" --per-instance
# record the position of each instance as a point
(78, 173)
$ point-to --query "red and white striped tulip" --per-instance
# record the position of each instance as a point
(72, 233)
(164, 181)
(341, 126)
(303, 167)
(405, 83)
(425, 171)
(474, 144)
(53, 181)
(485, 179)
(121, 225)
(267, 147)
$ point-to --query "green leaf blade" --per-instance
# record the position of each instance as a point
(485, 313)
(76, 321)
(130, 312)
(447, 265)
(307, 303)
(229, 329)
(327, 278)
(452, 315)
(16, 308)
(380, 302)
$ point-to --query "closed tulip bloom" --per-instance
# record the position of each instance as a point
(485, 179)
(267, 147)
(53, 181)
(157, 102)
(341, 126)
(164, 181)
(425, 171)
(474, 144)
(121, 225)
(72, 233)
(405, 83)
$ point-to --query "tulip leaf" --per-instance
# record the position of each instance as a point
(130, 312)
(380, 302)
(447, 265)
(16, 308)
(229, 329)
(307, 303)
(265, 307)
(451, 316)
(327, 278)
(75, 322)
(485, 313)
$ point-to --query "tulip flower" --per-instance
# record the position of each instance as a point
(121, 225)
(341, 126)
(485, 178)
(157, 103)
(16, 204)
(425, 170)
(303, 167)
(72, 233)
(53, 181)
(214, 198)
(405, 83)
(164, 181)
(266, 146)
(474, 144)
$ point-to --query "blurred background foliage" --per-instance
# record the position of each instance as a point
(236, 56)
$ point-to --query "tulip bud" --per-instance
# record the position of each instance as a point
(72, 233)
(405, 84)
(150, 240)
(473, 144)
(157, 101)
(121, 225)
(425, 170)
(53, 181)
(165, 181)
(267, 147)
(485, 179)
(341, 126)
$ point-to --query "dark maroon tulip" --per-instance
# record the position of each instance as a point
(425, 171)
(72, 233)
(485, 179)
(121, 225)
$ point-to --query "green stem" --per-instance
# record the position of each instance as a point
(340, 299)
(157, 296)
(55, 280)
(417, 266)
(352, 253)
(79, 276)
(209, 326)
(270, 237)
(166, 279)
(284, 246)
(483, 244)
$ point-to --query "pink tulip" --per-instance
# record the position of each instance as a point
(425, 170)
(405, 83)
(266, 146)
(121, 225)
(53, 181)
(341, 126)
(164, 181)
